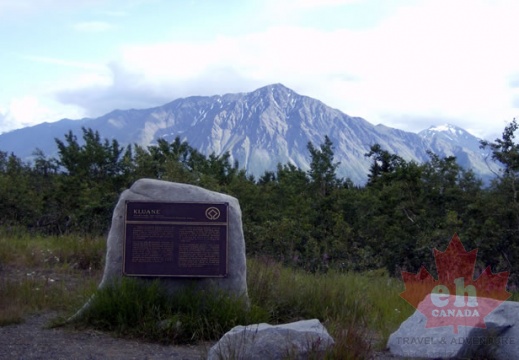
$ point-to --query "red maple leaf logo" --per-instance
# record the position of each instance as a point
(455, 298)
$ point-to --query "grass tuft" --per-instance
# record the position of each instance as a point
(138, 309)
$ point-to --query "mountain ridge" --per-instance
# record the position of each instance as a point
(261, 128)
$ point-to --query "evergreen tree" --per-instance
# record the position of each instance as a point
(384, 163)
(19, 204)
(94, 174)
(322, 171)
(501, 223)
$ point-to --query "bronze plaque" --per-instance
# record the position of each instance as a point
(175, 239)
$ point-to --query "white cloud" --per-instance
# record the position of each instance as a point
(29, 110)
(444, 59)
(37, 7)
(114, 13)
(125, 88)
(279, 50)
(25, 109)
(93, 26)
(64, 62)
(436, 60)
(275, 12)
(148, 75)
(305, 5)
(321, 3)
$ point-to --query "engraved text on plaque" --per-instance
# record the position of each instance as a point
(175, 239)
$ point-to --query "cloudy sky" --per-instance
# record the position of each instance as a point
(407, 64)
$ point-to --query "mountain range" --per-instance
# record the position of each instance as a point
(260, 129)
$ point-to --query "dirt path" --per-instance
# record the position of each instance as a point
(33, 340)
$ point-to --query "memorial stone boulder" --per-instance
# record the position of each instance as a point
(181, 234)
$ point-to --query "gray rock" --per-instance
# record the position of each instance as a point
(413, 340)
(235, 283)
(297, 340)
(499, 340)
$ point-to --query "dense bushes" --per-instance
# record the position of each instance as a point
(308, 219)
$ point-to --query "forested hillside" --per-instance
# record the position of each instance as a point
(309, 219)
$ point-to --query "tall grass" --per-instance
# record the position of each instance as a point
(23, 249)
(45, 273)
(359, 310)
(32, 294)
(138, 309)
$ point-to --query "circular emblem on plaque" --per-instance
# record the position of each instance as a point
(212, 213)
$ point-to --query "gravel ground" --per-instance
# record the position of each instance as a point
(33, 340)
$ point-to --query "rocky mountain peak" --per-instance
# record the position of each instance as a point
(448, 131)
(259, 129)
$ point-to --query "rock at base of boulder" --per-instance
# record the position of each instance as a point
(297, 340)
